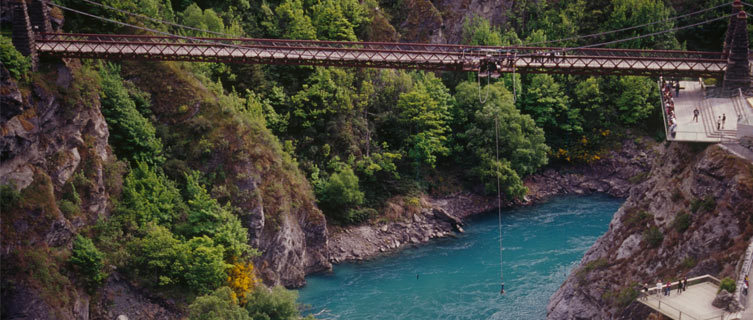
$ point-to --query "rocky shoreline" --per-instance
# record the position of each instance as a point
(614, 174)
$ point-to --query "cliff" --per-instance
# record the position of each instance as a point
(691, 216)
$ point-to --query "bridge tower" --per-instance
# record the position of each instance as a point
(737, 76)
(39, 15)
(23, 35)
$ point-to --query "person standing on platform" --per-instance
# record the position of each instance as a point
(724, 119)
(695, 114)
(677, 89)
(719, 123)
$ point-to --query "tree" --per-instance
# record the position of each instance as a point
(340, 193)
(628, 13)
(636, 100)
(277, 303)
(207, 19)
(14, 61)
(521, 144)
(148, 196)
(88, 261)
(218, 305)
(132, 135)
(478, 31)
(207, 218)
(547, 104)
(338, 19)
(290, 21)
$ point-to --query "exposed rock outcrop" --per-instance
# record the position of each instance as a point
(692, 216)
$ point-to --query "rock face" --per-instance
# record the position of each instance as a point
(439, 218)
(615, 174)
(49, 142)
(726, 301)
(690, 217)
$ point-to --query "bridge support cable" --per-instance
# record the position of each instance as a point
(598, 34)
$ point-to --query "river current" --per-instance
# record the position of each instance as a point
(459, 278)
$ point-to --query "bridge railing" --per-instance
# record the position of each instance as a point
(392, 46)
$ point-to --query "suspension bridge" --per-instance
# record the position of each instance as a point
(33, 35)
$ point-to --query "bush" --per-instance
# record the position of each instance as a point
(163, 260)
(653, 236)
(148, 196)
(217, 306)
(340, 193)
(87, 260)
(17, 64)
(638, 218)
(69, 208)
(682, 221)
(9, 197)
(355, 216)
(132, 135)
(727, 284)
(708, 204)
(277, 303)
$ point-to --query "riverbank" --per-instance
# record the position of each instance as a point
(614, 174)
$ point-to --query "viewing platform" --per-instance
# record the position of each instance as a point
(693, 304)
(709, 127)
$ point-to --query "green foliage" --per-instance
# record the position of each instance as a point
(277, 303)
(627, 13)
(682, 221)
(688, 263)
(148, 196)
(708, 204)
(340, 194)
(88, 261)
(623, 297)
(207, 19)
(653, 236)
(291, 22)
(338, 19)
(636, 101)
(426, 120)
(207, 218)
(521, 144)
(163, 260)
(17, 64)
(478, 31)
(639, 218)
(728, 284)
(547, 104)
(218, 305)
(132, 135)
(9, 197)
(161, 9)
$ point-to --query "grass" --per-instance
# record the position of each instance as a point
(638, 178)
(708, 204)
(653, 236)
(638, 218)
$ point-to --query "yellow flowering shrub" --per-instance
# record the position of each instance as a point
(242, 280)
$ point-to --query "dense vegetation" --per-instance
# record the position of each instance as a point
(361, 137)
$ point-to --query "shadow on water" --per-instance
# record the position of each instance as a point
(459, 278)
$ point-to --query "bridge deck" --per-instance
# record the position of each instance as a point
(386, 55)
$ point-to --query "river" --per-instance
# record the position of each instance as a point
(459, 278)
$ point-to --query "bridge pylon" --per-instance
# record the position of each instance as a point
(23, 34)
(737, 76)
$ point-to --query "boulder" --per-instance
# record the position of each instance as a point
(725, 300)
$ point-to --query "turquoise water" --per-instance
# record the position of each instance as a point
(459, 278)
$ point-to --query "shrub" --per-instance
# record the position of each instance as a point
(218, 305)
(727, 284)
(708, 204)
(638, 218)
(688, 263)
(340, 193)
(653, 236)
(132, 136)
(277, 303)
(163, 260)
(242, 281)
(9, 197)
(69, 208)
(677, 195)
(355, 216)
(87, 260)
(682, 221)
(148, 196)
(17, 64)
